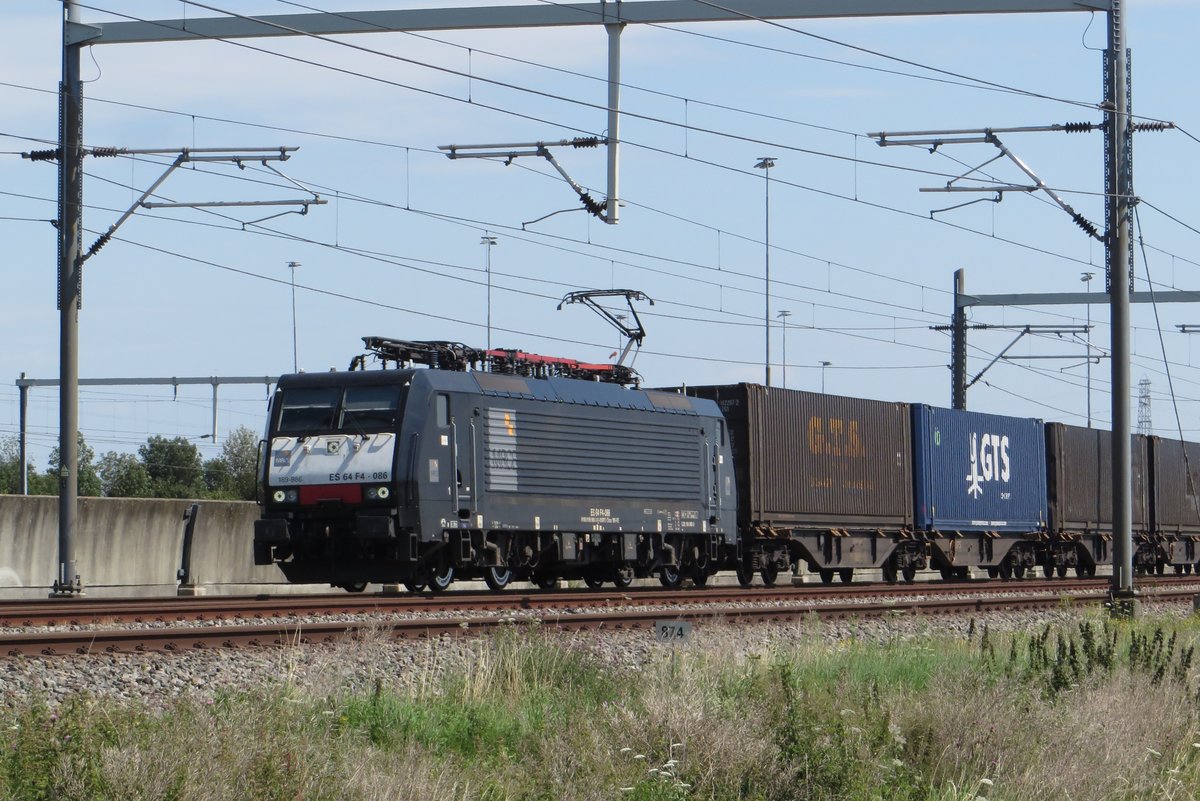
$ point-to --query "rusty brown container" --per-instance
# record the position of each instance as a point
(1079, 479)
(1176, 498)
(807, 460)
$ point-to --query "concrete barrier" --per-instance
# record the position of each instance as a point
(133, 547)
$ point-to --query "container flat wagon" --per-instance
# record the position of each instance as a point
(979, 490)
(1176, 524)
(821, 479)
(1079, 492)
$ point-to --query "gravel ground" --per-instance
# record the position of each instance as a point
(155, 678)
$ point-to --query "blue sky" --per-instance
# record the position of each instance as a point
(856, 257)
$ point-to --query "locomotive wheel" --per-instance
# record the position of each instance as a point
(745, 574)
(623, 576)
(846, 574)
(1160, 568)
(593, 580)
(909, 572)
(357, 586)
(699, 578)
(414, 586)
(497, 578)
(826, 575)
(670, 577)
(438, 582)
(544, 582)
(769, 575)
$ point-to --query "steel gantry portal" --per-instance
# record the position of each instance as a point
(614, 16)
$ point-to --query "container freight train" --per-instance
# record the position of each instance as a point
(507, 466)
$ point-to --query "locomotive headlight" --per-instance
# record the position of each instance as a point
(383, 493)
(280, 496)
(285, 496)
(372, 493)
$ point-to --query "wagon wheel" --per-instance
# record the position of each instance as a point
(593, 579)
(699, 578)
(909, 572)
(670, 577)
(888, 570)
(497, 578)
(826, 575)
(1048, 569)
(354, 586)
(1006, 570)
(1062, 571)
(415, 585)
(769, 574)
(846, 574)
(993, 572)
(545, 581)
(1160, 568)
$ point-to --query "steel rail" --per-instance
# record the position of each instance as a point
(172, 610)
(179, 639)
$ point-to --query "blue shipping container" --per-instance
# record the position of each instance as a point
(978, 472)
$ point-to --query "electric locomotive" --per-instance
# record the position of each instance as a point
(527, 467)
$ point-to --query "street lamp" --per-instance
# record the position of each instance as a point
(823, 366)
(489, 241)
(1086, 278)
(295, 362)
(765, 163)
(783, 315)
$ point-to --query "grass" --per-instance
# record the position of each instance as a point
(1089, 710)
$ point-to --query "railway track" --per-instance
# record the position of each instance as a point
(473, 613)
(173, 610)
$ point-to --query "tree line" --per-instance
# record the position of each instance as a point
(162, 468)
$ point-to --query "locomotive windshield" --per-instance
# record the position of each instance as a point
(313, 410)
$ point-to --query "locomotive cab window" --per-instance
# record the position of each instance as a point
(443, 410)
(369, 409)
(305, 410)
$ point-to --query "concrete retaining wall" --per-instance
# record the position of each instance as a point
(133, 546)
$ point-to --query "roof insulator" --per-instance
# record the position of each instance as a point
(1152, 126)
(585, 141)
(104, 152)
(1078, 127)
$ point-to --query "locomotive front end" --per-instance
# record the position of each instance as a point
(330, 486)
